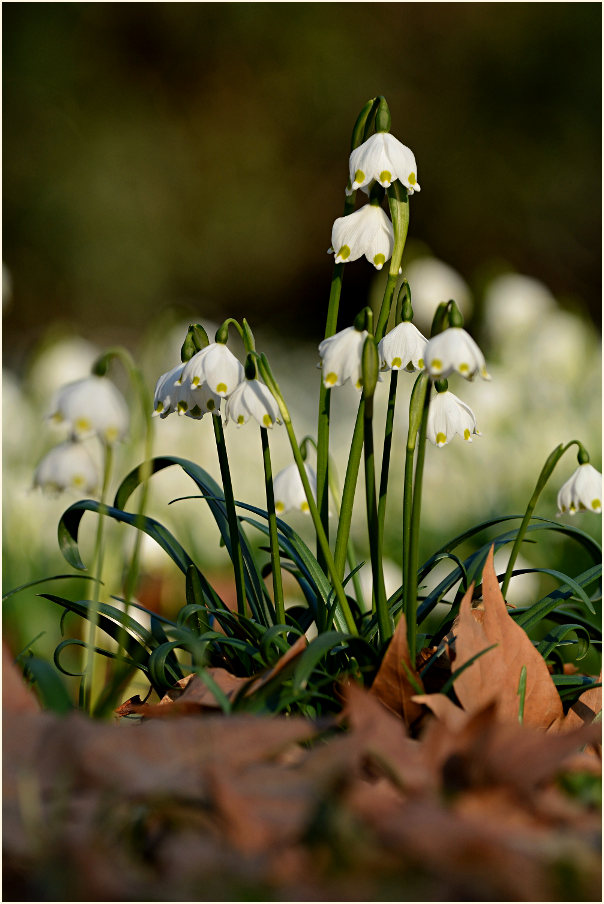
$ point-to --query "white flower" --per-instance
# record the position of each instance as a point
(383, 158)
(172, 395)
(289, 490)
(216, 366)
(582, 492)
(447, 416)
(403, 348)
(252, 399)
(67, 467)
(92, 406)
(454, 349)
(341, 357)
(367, 231)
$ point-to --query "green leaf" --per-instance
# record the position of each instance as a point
(557, 634)
(54, 577)
(534, 614)
(52, 691)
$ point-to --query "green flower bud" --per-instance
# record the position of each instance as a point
(441, 318)
(455, 315)
(404, 311)
(382, 117)
(370, 366)
(195, 340)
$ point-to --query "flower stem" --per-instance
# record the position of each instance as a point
(331, 324)
(336, 580)
(544, 476)
(350, 482)
(413, 554)
(386, 453)
(99, 555)
(272, 526)
(375, 547)
(229, 500)
(416, 408)
(350, 551)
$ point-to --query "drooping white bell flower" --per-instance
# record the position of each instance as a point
(341, 357)
(172, 395)
(582, 492)
(454, 350)
(448, 416)
(383, 158)
(252, 399)
(367, 231)
(67, 467)
(289, 490)
(91, 406)
(403, 348)
(216, 366)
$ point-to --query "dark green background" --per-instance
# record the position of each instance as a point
(195, 154)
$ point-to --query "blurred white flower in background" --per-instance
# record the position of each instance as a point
(289, 490)
(67, 467)
(516, 305)
(433, 281)
(92, 406)
(60, 362)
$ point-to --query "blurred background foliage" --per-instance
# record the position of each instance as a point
(196, 153)
(165, 162)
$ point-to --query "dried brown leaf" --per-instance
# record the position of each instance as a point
(392, 684)
(495, 675)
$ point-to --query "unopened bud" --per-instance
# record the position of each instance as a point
(195, 340)
(382, 117)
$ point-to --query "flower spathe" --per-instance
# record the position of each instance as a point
(582, 492)
(403, 348)
(67, 467)
(252, 399)
(454, 350)
(91, 406)
(171, 395)
(289, 492)
(383, 158)
(367, 231)
(341, 357)
(448, 416)
(216, 366)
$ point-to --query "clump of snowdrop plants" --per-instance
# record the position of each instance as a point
(350, 631)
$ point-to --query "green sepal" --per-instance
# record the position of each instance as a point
(455, 315)
(440, 321)
(441, 385)
(358, 132)
(364, 320)
(382, 117)
(195, 340)
(250, 368)
(404, 310)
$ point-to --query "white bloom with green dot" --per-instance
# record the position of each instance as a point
(582, 492)
(252, 399)
(403, 348)
(341, 357)
(454, 350)
(92, 406)
(67, 467)
(216, 366)
(289, 492)
(171, 395)
(383, 158)
(448, 416)
(367, 231)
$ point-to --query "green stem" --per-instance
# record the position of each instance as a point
(411, 596)
(544, 476)
(336, 581)
(331, 324)
(398, 200)
(379, 591)
(99, 554)
(350, 482)
(416, 408)
(350, 551)
(272, 526)
(386, 453)
(229, 500)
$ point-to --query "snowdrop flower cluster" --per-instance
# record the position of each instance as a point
(216, 367)
(252, 399)
(367, 231)
(454, 350)
(403, 348)
(448, 416)
(172, 395)
(341, 357)
(289, 490)
(383, 158)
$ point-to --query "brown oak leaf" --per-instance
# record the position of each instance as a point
(397, 681)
